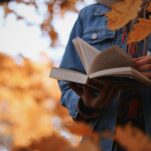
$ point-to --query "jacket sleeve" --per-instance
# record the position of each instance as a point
(69, 98)
(71, 60)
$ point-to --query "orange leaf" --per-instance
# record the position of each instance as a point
(149, 7)
(81, 129)
(52, 143)
(88, 145)
(132, 139)
(140, 31)
(122, 12)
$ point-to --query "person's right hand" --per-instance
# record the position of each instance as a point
(103, 99)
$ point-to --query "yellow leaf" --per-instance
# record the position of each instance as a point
(140, 30)
(122, 12)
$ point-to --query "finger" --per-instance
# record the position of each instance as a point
(99, 101)
(87, 95)
(91, 99)
(103, 91)
(88, 92)
(78, 88)
(148, 74)
(112, 93)
(139, 58)
(145, 60)
(144, 67)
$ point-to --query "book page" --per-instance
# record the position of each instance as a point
(76, 45)
(88, 53)
(111, 58)
(68, 75)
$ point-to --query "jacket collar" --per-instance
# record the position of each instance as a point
(101, 10)
(107, 6)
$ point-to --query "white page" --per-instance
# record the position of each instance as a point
(88, 52)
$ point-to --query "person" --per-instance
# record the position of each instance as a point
(104, 110)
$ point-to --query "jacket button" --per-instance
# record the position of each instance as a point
(94, 36)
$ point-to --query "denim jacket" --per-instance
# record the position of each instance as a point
(91, 26)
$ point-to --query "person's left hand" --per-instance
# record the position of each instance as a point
(143, 64)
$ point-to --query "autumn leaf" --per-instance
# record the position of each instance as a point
(54, 36)
(122, 12)
(52, 143)
(58, 143)
(81, 129)
(69, 5)
(26, 92)
(7, 10)
(140, 30)
(91, 138)
(88, 145)
(149, 7)
(132, 139)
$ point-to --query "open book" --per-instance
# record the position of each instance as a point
(111, 64)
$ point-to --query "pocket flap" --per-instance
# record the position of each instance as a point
(97, 35)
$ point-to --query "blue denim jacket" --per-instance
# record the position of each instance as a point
(91, 26)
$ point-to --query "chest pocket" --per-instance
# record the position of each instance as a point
(101, 38)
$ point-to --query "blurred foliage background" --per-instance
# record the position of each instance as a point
(29, 100)
(31, 117)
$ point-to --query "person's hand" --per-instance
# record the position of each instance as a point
(90, 99)
(143, 64)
